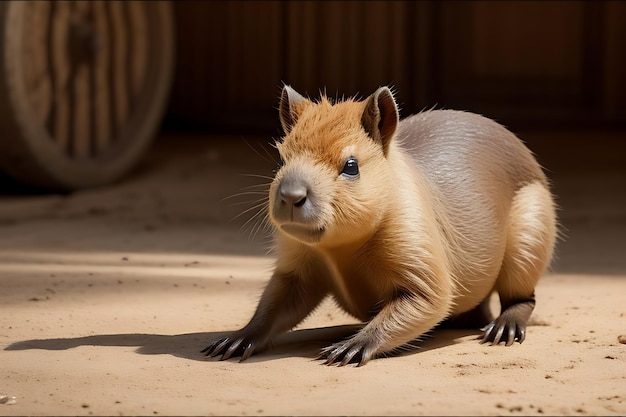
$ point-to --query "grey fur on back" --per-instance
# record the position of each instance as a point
(475, 166)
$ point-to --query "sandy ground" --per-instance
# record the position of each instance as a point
(109, 295)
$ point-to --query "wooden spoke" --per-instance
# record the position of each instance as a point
(58, 29)
(119, 55)
(37, 75)
(102, 68)
(78, 87)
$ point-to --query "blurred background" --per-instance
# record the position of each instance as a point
(104, 94)
(92, 83)
(537, 64)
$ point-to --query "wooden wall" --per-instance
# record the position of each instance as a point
(540, 63)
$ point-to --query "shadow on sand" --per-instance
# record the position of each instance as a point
(303, 343)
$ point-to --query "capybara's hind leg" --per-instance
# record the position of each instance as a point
(530, 242)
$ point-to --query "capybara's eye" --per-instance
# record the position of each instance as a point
(351, 168)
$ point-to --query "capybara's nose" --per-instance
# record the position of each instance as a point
(293, 193)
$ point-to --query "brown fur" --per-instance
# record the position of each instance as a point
(447, 207)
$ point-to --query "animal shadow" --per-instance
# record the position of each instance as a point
(302, 343)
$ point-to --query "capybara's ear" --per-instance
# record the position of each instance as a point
(380, 117)
(290, 107)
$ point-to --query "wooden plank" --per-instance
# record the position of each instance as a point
(421, 68)
(257, 44)
(102, 66)
(615, 67)
(301, 46)
(518, 51)
(532, 70)
(376, 54)
(367, 48)
(334, 56)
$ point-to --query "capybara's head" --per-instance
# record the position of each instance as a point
(333, 183)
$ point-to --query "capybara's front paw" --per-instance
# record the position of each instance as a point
(348, 351)
(233, 345)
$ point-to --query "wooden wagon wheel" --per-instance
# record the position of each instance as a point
(83, 87)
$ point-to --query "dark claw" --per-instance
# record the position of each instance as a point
(220, 347)
(364, 360)
(209, 350)
(324, 352)
(351, 353)
(498, 335)
(487, 332)
(232, 346)
(505, 331)
(511, 336)
(247, 352)
(231, 349)
(342, 354)
(336, 353)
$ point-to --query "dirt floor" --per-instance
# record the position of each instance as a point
(109, 295)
